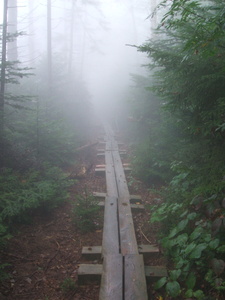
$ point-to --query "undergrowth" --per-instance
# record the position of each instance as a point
(86, 212)
(193, 237)
(22, 194)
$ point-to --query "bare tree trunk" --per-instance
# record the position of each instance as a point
(71, 47)
(31, 32)
(2, 81)
(12, 52)
(49, 48)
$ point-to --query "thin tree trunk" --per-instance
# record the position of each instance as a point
(2, 81)
(12, 52)
(49, 47)
(70, 62)
(31, 33)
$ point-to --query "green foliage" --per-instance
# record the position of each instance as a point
(37, 189)
(195, 243)
(86, 212)
(68, 284)
(184, 145)
(22, 194)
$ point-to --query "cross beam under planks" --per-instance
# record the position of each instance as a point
(123, 276)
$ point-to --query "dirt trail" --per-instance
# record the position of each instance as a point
(45, 255)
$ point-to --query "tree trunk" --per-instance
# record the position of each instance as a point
(31, 34)
(49, 48)
(2, 81)
(71, 39)
(12, 52)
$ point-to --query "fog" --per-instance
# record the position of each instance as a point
(94, 39)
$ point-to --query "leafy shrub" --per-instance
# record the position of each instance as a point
(22, 193)
(195, 243)
(86, 212)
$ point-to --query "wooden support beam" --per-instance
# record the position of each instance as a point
(153, 273)
(134, 199)
(148, 250)
(101, 154)
(101, 171)
(103, 166)
(99, 195)
(92, 252)
(112, 278)
(134, 207)
(95, 252)
(88, 273)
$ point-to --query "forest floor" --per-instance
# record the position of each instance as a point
(44, 256)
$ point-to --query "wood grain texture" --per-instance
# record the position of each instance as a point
(134, 278)
(110, 240)
(126, 226)
(112, 278)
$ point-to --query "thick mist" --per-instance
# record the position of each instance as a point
(92, 40)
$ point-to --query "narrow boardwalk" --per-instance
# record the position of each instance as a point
(123, 267)
(123, 274)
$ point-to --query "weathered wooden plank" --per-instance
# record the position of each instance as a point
(137, 207)
(134, 278)
(102, 166)
(110, 239)
(89, 273)
(110, 174)
(99, 195)
(155, 272)
(95, 252)
(101, 171)
(134, 199)
(93, 272)
(112, 278)
(134, 207)
(148, 249)
(127, 234)
(92, 252)
(101, 154)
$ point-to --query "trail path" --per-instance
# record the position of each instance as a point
(44, 254)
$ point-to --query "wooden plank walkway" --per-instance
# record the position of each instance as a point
(123, 274)
(126, 257)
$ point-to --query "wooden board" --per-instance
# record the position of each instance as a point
(110, 239)
(127, 234)
(134, 207)
(101, 171)
(112, 278)
(88, 273)
(155, 272)
(134, 199)
(134, 278)
(110, 174)
(92, 252)
(99, 195)
(148, 249)
(97, 269)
